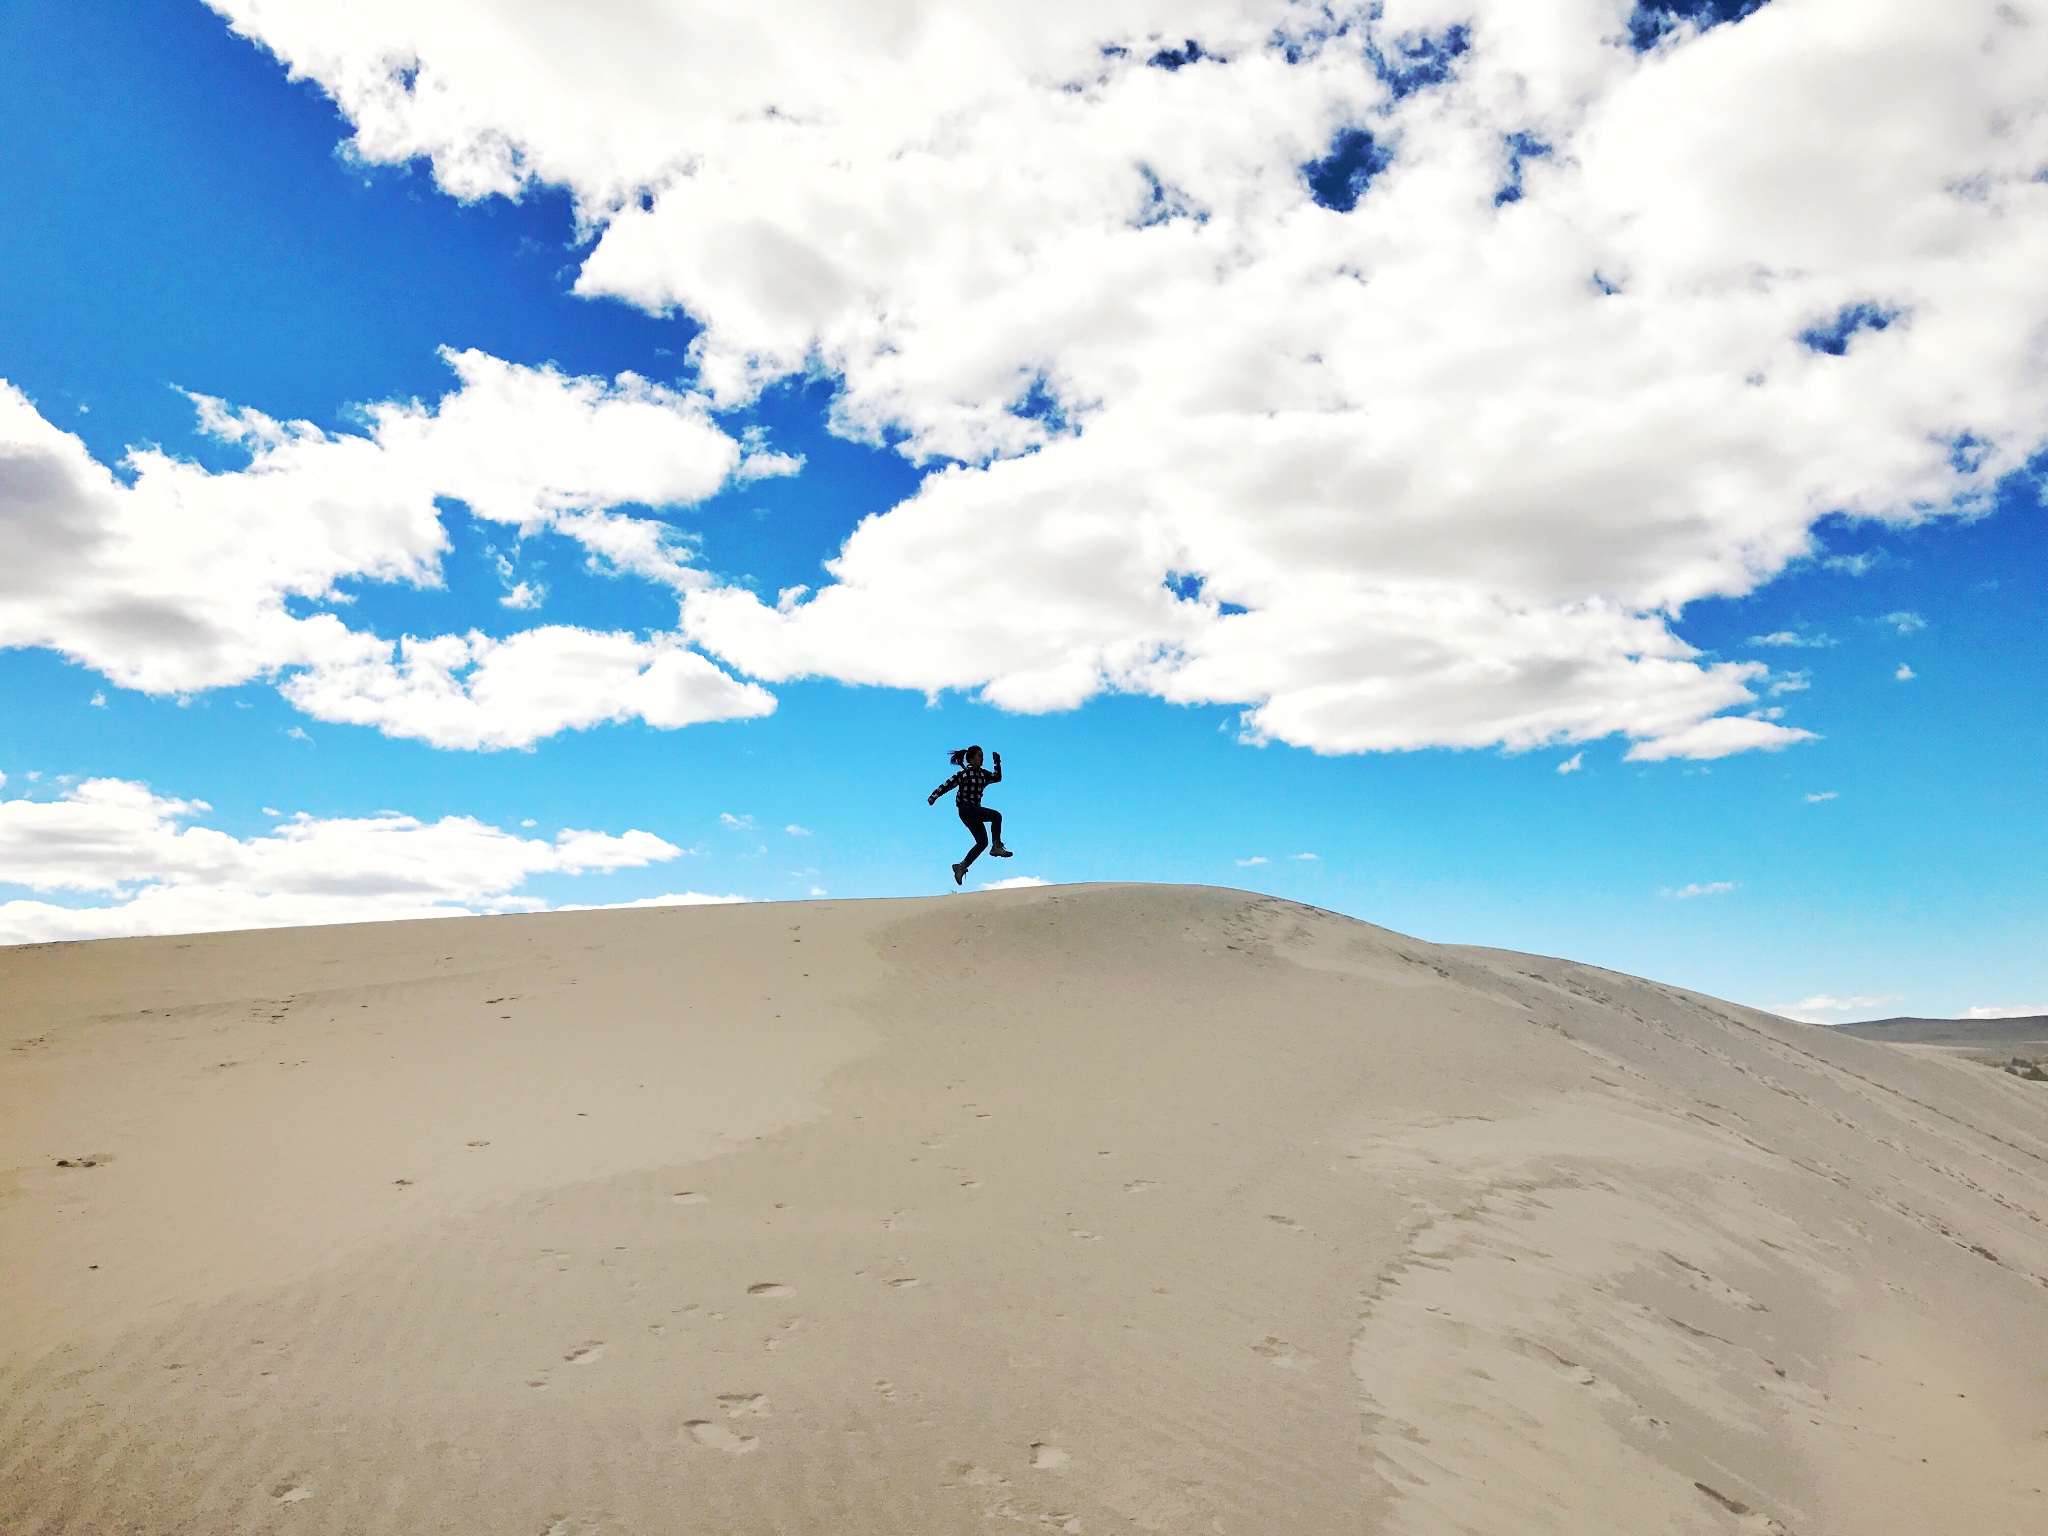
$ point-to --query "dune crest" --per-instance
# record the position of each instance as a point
(1090, 1209)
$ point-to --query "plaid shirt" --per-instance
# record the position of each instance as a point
(970, 782)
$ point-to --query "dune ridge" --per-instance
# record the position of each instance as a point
(1087, 1209)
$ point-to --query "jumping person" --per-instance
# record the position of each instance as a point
(967, 785)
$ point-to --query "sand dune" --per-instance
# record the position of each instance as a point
(1088, 1209)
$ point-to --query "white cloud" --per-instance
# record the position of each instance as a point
(1824, 795)
(157, 872)
(1809, 1009)
(180, 581)
(1301, 855)
(1712, 888)
(2022, 1012)
(470, 691)
(819, 890)
(98, 700)
(1014, 883)
(796, 831)
(1717, 737)
(734, 823)
(1905, 674)
(672, 899)
(1461, 451)
(1905, 623)
(1573, 763)
(1256, 858)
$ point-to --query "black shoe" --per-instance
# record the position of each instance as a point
(999, 853)
(959, 873)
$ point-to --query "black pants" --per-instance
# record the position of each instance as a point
(974, 816)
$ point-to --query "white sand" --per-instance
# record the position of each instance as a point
(1095, 1209)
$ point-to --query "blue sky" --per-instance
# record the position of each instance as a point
(183, 216)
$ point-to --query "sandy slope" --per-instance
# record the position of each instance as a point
(1096, 1209)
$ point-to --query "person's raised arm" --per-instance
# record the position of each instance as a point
(999, 770)
(933, 797)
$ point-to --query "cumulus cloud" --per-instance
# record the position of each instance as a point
(1905, 674)
(2024, 1011)
(1255, 859)
(182, 580)
(1014, 883)
(1398, 370)
(471, 691)
(672, 899)
(1711, 888)
(1904, 622)
(1573, 763)
(153, 870)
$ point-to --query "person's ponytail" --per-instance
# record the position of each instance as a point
(959, 757)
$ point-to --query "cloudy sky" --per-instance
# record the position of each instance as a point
(1560, 474)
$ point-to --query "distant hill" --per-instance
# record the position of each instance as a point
(1973, 1034)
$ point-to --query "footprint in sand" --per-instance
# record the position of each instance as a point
(905, 1283)
(1288, 1222)
(719, 1438)
(771, 1288)
(289, 1492)
(1137, 1186)
(688, 1197)
(586, 1354)
(1048, 1458)
(1282, 1354)
(744, 1405)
